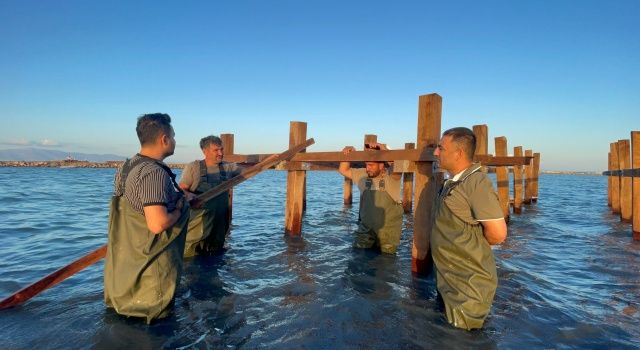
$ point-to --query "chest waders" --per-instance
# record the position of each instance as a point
(465, 268)
(208, 225)
(380, 220)
(142, 269)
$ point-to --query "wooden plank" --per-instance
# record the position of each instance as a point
(608, 179)
(622, 173)
(615, 181)
(489, 160)
(254, 170)
(407, 184)
(228, 148)
(426, 182)
(502, 177)
(482, 145)
(624, 162)
(63, 273)
(528, 179)
(425, 155)
(635, 163)
(53, 278)
(517, 182)
(536, 176)
(295, 185)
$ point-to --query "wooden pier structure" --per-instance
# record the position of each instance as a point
(623, 195)
(415, 161)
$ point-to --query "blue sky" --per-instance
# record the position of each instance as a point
(559, 77)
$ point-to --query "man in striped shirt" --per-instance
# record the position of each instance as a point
(148, 221)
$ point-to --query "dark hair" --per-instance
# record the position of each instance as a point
(152, 125)
(464, 138)
(208, 140)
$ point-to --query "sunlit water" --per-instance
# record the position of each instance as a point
(568, 274)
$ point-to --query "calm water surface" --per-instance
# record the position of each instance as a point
(569, 274)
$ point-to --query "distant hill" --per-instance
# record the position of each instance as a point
(34, 154)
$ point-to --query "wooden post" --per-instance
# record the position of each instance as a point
(517, 182)
(624, 161)
(426, 182)
(528, 178)
(635, 164)
(370, 138)
(536, 176)
(295, 184)
(502, 177)
(482, 140)
(609, 179)
(615, 180)
(407, 184)
(347, 191)
(227, 144)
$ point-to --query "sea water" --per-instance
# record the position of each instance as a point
(569, 274)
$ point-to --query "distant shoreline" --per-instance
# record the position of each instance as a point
(69, 164)
(117, 163)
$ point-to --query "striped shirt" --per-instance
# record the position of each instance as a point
(147, 184)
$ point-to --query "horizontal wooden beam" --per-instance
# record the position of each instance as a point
(623, 173)
(489, 160)
(425, 155)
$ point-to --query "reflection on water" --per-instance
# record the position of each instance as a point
(568, 274)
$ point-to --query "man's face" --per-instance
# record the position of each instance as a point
(214, 152)
(374, 169)
(447, 153)
(170, 143)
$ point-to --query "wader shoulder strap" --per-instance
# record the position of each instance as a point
(203, 168)
(223, 173)
(449, 185)
(129, 165)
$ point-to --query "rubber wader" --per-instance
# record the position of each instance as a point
(142, 269)
(208, 225)
(380, 220)
(465, 268)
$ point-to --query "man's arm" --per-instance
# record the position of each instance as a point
(186, 182)
(158, 219)
(495, 231)
(345, 167)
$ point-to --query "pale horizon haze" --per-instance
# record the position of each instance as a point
(559, 77)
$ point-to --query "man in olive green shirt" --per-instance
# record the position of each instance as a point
(380, 223)
(209, 223)
(468, 219)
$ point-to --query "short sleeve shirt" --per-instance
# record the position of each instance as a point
(147, 184)
(191, 173)
(391, 185)
(474, 199)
